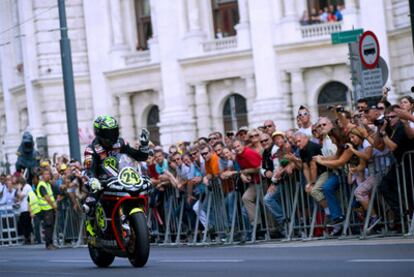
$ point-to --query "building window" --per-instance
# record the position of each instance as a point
(152, 120)
(225, 17)
(322, 11)
(333, 93)
(235, 113)
(144, 28)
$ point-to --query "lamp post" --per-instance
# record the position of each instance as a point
(67, 72)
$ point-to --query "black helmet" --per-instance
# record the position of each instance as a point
(106, 130)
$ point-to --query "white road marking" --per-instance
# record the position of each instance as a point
(40, 272)
(324, 243)
(70, 261)
(202, 261)
(382, 261)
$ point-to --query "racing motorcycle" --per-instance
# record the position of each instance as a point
(119, 227)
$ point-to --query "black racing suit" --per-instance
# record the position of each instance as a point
(97, 159)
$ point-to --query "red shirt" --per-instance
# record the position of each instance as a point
(249, 159)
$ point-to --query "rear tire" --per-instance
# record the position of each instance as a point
(100, 257)
(139, 256)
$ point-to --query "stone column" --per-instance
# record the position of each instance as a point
(297, 85)
(12, 137)
(153, 42)
(118, 47)
(126, 120)
(176, 120)
(33, 97)
(101, 96)
(277, 8)
(243, 28)
(268, 103)
(350, 14)
(194, 36)
(290, 8)
(202, 110)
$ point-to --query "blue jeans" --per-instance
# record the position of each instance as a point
(330, 188)
(273, 203)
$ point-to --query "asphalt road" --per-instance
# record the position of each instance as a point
(389, 257)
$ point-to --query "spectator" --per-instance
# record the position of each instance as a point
(25, 224)
(395, 138)
(242, 135)
(304, 117)
(406, 111)
(8, 198)
(314, 16)
(213, 138)
(362, 105)
(304, 20)
(323, 15)
(254, 138)
(228, 139)
(249, 162)
(269, 127)
(338, 13)
(315, 173)
(331, 13)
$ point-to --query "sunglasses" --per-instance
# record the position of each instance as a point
(255, 135)
(381, 108)
(268, 126)
(390, 117)
(303, 114)
(204, 153)
(265, 140)
(212, 138)
(360, 108)
(177, 159)
(194, 154)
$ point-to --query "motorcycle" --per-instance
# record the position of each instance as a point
(119, 226)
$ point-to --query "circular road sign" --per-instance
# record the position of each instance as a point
(369, 50)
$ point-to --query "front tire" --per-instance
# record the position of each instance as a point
(141, 246)
(100, 257)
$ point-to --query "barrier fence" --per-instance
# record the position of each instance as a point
(218, 213)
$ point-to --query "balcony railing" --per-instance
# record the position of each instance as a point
(138, 57)
(320, 30)
(220, 44)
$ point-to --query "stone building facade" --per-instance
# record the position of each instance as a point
(183, 67)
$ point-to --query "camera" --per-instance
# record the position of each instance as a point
(412, 89)
(379, 122)
(340, 109)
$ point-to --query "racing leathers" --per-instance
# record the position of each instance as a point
(101, 163)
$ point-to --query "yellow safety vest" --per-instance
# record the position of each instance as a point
(44, 205)
(34, 203)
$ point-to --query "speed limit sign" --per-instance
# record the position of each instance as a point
(369, 50)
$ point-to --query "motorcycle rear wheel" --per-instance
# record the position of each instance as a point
(100, 257)
(141, 245)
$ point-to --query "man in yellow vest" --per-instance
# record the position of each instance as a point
(48, 206)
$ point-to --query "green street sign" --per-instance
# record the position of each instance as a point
(346, 36)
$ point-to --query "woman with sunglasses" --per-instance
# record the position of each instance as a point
(254, 137)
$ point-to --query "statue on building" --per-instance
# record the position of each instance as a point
(27, 156)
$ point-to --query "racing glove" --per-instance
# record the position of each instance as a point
(95, 185)
(144, 140)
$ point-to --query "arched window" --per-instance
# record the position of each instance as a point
(152, 120)
(333, 93)
(234, 112)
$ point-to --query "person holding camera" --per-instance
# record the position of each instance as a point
(396, 139)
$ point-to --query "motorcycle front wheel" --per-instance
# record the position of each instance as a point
(139, 245)
(100, 257)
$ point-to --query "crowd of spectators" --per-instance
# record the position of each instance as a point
(327, 14)
(319, 149)
(67, 185)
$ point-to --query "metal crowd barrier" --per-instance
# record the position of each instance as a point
(8, 227)
(69, 223)
(304, 218)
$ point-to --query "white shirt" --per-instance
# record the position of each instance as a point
(306, 131)
(24, 205)
(328, 147)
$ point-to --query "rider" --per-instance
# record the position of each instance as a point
(103, 152)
